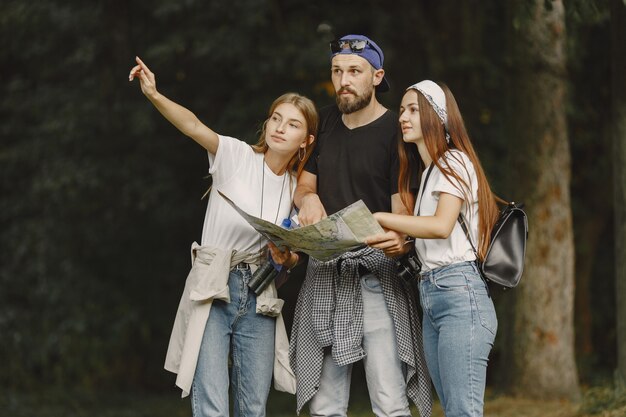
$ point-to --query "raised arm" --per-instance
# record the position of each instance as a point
(179, 116)
(306, 199)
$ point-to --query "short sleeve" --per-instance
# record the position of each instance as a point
(311, 163)
(227, 160)
(463, 167)
(328, 117)
(394, 168)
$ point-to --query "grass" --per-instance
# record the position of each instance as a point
(596, 402)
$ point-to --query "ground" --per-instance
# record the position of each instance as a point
(597, 402)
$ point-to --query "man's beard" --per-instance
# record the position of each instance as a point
(360, 102)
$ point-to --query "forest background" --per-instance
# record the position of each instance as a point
(101, 196)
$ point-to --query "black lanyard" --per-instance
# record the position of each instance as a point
(419, 206)
(430, 169)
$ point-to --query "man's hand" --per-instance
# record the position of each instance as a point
(312, 210)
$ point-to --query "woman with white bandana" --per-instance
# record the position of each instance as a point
(459, 321)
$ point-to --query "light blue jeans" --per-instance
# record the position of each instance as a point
(459, 328)
(385, 373)
(237, 329)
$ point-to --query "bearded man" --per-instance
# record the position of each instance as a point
(355, 307)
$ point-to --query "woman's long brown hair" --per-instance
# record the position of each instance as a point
(434, 135)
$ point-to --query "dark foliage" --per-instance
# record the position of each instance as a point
(101, 196)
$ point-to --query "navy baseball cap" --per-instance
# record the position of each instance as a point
(364, 47)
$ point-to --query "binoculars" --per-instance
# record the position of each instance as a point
(262, 277)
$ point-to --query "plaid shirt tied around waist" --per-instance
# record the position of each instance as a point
(329, 313)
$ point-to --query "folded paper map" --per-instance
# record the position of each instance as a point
(340, 232)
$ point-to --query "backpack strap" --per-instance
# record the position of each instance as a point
(461, 220)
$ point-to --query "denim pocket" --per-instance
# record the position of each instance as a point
(484, 306)
(452, 281)
(371, 283)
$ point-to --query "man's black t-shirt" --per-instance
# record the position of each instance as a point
(355, 164)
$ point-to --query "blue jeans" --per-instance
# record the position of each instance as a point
(459, 328)
(237, 329)
(385, 373)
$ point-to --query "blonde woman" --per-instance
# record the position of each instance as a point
(219, 316)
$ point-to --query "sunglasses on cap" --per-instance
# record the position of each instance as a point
(355, 45)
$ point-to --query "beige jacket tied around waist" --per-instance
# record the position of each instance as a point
(208, 281)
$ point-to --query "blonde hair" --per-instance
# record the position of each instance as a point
(308, 110)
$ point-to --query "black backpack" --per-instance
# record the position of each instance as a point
(504, 261)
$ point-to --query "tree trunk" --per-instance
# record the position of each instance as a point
(541, 348)
(618, 90)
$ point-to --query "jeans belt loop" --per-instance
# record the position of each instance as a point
(242, 266)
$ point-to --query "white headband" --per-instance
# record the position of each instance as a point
(435, 96)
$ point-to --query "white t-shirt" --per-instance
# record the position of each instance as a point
(434, 253)
(240, 174)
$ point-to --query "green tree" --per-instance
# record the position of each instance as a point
(100, 196)
(618, 105)
(589, 137)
